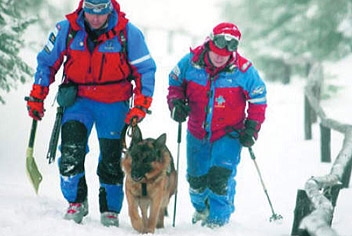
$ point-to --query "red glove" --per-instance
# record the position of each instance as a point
(138, 112)
(35, 101)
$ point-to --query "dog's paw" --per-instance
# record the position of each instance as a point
(149, 230)
(138, 225)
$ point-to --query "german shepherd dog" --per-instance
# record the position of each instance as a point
(151, 180)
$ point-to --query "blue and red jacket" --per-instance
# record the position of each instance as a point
(221, 99)
(104, 74)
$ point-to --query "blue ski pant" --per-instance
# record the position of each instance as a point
(211, 171)
(77, 124)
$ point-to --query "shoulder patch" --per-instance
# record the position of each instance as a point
(52, 39)
(176, 71)
(259, 90)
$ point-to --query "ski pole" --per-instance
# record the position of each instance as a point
(274, 215)
(177, 161)
(55, 135)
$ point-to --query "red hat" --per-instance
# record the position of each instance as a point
(224, 39)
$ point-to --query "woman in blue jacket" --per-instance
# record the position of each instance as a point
(225, 99)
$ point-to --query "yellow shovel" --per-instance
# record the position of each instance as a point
(31, 167)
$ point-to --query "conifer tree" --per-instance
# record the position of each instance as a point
(317, 30)
(13, 23)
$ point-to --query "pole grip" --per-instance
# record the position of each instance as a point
(251, 153)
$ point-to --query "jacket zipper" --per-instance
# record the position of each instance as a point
(101, 67)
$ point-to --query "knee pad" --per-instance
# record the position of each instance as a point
(109, 167)
(218, 180)
(73, 148)
(197, 184)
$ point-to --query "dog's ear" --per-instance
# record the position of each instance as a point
(161, 141)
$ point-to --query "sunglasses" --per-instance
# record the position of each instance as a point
(225, 40)
(97, 7)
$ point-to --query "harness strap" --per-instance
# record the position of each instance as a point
(144, 189)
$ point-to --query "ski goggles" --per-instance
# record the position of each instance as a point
(225, 41)
(96, 7)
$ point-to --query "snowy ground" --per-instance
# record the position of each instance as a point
(285, 159)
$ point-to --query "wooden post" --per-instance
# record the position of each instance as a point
(307, 119)
(302, 209)
(325, 139)
(347, 175)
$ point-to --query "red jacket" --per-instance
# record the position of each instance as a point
(104, 74)
(221, 99)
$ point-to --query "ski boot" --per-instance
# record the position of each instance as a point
(109, 219)
(76, 211)
(200, 216)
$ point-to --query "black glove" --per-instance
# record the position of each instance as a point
(250, 133)
(180, 111)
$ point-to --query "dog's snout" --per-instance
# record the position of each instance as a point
(136, 176)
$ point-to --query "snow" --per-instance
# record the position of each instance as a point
(285, 159)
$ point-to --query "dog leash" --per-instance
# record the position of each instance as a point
(128, 130)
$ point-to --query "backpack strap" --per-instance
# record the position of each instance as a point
(71, 34)
(123, 40)
(122, 37)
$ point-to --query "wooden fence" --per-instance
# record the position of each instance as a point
(315, 204)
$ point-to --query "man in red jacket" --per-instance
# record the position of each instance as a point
(225, 99)
(104, 52)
